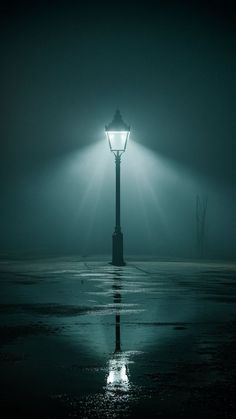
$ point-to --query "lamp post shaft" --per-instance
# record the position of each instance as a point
(118, 161)
(117, 238)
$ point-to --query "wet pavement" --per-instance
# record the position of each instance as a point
(84, 339)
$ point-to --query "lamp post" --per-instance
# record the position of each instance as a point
(117, 134)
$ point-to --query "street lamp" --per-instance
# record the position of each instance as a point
(117, 134)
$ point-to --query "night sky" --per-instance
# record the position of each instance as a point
(169, 66)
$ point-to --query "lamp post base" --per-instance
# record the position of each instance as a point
(117, 249)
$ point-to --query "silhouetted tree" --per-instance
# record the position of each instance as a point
(201, 208)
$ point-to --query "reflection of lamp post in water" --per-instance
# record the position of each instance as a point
(117, 299)
(118, 377)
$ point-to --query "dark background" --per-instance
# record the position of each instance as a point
(65, 67)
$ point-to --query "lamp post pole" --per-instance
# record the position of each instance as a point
(117, 134)
(117, 238)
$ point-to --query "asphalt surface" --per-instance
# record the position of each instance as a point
(84, 339)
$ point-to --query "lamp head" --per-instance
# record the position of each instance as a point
(117, 134)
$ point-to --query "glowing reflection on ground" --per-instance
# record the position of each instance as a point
(118, 376)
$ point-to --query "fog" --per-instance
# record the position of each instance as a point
(65, 70)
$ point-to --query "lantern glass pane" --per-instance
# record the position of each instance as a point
(117, 140)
